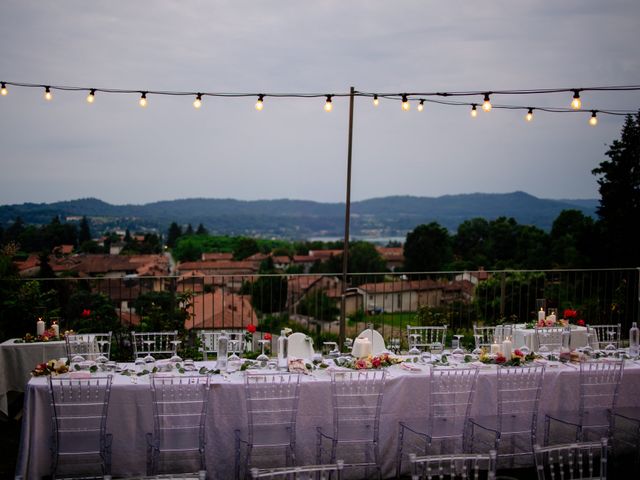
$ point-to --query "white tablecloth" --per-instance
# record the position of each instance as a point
(405, 398)
(18, 359)
(527, 336)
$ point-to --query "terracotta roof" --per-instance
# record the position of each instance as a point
(324, 254)
(221, 310)
(401, 286)
(31, 262)
(281, 259)
(217, 256)
(304, 259)
(391, 253)
(63, 249)
(257, 257)
(218, 265)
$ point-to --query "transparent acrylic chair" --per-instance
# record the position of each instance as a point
(484, 336)
(431, 338)
(450, 399)
(154, 344)
(209, 341)
(80, 444)
(179, 416)
(599, 385)
(445, 467)
(574, 461)
(272, 410)
(357, 402)
(512, 432)
(90, 346)
(607, 335)
(310, 472)
(549, 339)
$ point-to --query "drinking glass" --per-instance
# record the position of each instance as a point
(610, 348)
(332, 348)
(456, 345)
(478, 349)
(262, 358)
(414, 338)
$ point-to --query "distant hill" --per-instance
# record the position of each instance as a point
(376, 217)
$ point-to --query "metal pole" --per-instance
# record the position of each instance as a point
(347, 216)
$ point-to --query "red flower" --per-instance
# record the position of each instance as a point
(251, 328)
(267, 336)
(86, 313)
(569, 313)
(375, 361)
(580, 322)
(518, 353)
(501, 359)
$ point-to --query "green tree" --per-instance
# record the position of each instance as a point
(45, 268)
(269, 294)
(619, 185)
(201, 230)
(245, 248)
(470, 244)
(428, 248)
(189, 230)
(175, 232)
(573, 240)
(84, 235)
(163, 311)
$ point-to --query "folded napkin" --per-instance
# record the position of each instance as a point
(80, 374)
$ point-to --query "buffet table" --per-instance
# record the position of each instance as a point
(527, 337)
(405, 399)
(17, 359)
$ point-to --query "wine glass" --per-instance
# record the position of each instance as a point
(233, 347)
(414, 338)
(456, 345)
(333, 349)
(610, 348)
(175, 344)
(262, 358)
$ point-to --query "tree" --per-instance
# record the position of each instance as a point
(201, 230)
(45, 269)
(428, 248)
(573, 240)
(189, 230)
(470, 243)
(175, 232)
(619, 186)
(245, 248)
(84, 235)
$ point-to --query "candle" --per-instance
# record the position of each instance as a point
(552, 318)
(56, 329)
(361, 348)
(541, 315)
(39, 327)
(495, 348)
(506, 348)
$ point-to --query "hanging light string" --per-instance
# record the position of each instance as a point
(482, 97)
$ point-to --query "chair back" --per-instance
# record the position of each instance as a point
(445, 467)
(179, 416)
(357, 402)
(599, 386)
(549, 336)
(79, 418)
(309, 472)
(209, 341)
(156, 344)
(575, 461)
(606, 334)
(426, 337)
(451, 397)
(89, 346)
(272, 407)
(518, 398)
(484, 335)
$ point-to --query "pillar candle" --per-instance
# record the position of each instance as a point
(56, 329)
(495, 348)
(541, 315)
(506, 348)
(39, 327)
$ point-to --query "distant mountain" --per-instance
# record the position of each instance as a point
(376, 217)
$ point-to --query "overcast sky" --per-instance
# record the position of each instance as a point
(121, 153)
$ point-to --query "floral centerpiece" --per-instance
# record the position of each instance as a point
(52, 367)
(49, 335)
(569, 316)
(518, 358)
(371, 362)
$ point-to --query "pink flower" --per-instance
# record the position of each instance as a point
(360, 364)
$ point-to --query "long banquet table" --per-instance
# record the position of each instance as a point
(17, 359)
(405, 399)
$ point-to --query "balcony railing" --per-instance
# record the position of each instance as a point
(310, 302)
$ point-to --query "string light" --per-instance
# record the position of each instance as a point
(3, 89)
(576, 103)
(376, 102)
(486, 105)
(143, 99)
(421, 105)
(328, 105)
(47, 94)
(474, 110)
(405, 103)
(529, 115)
(593, 121)
(92, 95)
(197, 103)
(260, 102)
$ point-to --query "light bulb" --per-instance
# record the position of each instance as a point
(486, 105)
(92, 96)
(405, 103)
(576, 103)
(421, 106)
(529, 116)
(376, 102)
(197, 103)
(143, 99)
(328, 106)
(474, 111)
(260, 103)
(3, 90)
(47, 94)
(593, 121)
